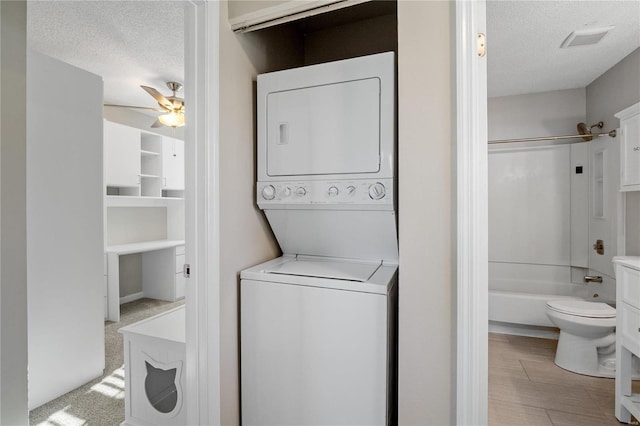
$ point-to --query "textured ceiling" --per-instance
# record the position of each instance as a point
(142, 42)
(524, 38)
(128, 43)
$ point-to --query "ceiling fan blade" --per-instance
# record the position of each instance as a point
(156, 124)
(136, 107)
(164, 102)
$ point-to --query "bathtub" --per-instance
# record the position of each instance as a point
(521, 308)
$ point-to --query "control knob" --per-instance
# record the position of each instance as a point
(351, 190)
(268, 192)
(286, 191)
(377, 191)
(301, 192)
(333, 191)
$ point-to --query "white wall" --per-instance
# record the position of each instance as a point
(537, 114)
(13, 236)
(613, 91)
(135, 224)
(426, 88)
(538, 205)
(64, 228)
(530, 205)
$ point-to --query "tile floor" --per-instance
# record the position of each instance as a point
(527, 388)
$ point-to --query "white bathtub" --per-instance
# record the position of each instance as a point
(521, 308)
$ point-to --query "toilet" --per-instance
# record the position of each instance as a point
(587, 336)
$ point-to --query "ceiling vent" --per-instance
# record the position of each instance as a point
(586, 37)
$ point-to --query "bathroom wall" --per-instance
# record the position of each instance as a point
(538, 206)
(613, 91)
(536, 114)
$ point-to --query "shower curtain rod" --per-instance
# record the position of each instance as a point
(611, 134)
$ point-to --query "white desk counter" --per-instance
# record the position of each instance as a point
(143, 246)
(162, 277)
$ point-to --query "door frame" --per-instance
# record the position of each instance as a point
(202, 221)
(472, 216)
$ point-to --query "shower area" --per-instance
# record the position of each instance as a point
(553, 208)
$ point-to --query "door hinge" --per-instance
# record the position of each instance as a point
(482, 45)
(186, 270)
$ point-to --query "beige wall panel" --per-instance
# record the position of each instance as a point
(245, 236)
(426, 140)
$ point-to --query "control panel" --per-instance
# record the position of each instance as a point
(343, 192)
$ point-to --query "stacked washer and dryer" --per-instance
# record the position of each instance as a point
(318, 324)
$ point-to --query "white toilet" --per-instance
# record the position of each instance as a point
(587, 336)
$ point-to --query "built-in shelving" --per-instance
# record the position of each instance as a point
(142, 164)
(137, 201)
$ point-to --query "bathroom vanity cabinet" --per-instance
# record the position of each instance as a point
(630, 148)
(627, 334)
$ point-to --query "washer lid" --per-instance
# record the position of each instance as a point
(582, 308)
(348, 271)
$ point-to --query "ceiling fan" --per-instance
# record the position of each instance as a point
(172, 106)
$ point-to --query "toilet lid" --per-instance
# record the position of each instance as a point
(582, 308)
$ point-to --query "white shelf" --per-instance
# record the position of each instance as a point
(144, 246)
(145, 176)
(145, 153)
(632, 403)
(132, 201)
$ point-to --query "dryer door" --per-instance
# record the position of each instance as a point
(326, 129)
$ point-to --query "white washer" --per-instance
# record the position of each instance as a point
(318, 324)
(315, 336)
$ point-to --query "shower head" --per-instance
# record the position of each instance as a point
(585, 130)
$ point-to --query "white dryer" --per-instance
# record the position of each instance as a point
(318, 340)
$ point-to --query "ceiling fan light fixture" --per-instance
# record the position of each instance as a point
(172, 119)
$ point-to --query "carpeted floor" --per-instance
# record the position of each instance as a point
(101, 401)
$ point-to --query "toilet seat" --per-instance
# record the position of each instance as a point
(582, 308)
